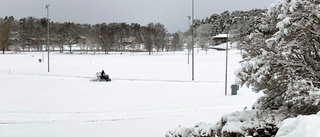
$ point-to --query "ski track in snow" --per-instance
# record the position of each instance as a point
(61, 117)
(124, 79)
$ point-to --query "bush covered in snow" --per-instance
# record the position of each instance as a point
(199, 130)
(203, 130)
(249, 123)
(255, 124)
(179, 132)
(237, 124)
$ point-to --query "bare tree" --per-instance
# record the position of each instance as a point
(175, 42)
(204, 33)
(67, 32)
(149, 33)
(5, 28)
(160, 32)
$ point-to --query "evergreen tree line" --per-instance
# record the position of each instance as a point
(238, 24)
(30, 34)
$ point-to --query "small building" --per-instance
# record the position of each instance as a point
(219, 39)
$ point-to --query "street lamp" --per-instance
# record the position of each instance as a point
(226, 76)
(192, 42)
(48, 46)
(227, 49)
(188, 45)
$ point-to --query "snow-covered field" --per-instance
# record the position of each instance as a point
(148, 95)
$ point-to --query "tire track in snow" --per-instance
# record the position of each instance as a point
(125, 79)
(112, 116)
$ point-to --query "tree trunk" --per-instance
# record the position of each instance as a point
(61, 48)
(38, 47)
(70, 50)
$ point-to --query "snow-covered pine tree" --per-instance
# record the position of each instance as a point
(282, 58)
(243, 23)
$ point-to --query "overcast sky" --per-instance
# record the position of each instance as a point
(172, 13)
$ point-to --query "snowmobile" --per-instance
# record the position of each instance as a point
(100, 78)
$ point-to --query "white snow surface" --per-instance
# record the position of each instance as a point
(148, 95)
(302, 126)
(221, 36)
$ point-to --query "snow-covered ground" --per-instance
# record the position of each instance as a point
(301, 126)
(148, 95)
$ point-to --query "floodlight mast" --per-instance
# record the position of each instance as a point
(188, 33)
(226, 72)
(48, 46)
(192, 40)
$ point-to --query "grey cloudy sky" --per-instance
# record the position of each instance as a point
(172, 13)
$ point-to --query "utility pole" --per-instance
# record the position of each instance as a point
(227, 49)
(192, 40)
(188, 33)
(48, 46)
(226, 76)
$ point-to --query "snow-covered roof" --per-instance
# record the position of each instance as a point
(223, 46)
(221, 36)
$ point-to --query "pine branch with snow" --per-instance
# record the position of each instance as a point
(281, 58)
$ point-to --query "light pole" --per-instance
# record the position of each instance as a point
(226, 76)
(192, 42)
(188, 45)
(227, 49)
(48, 46)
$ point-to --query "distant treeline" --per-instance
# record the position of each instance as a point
(30, 34)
